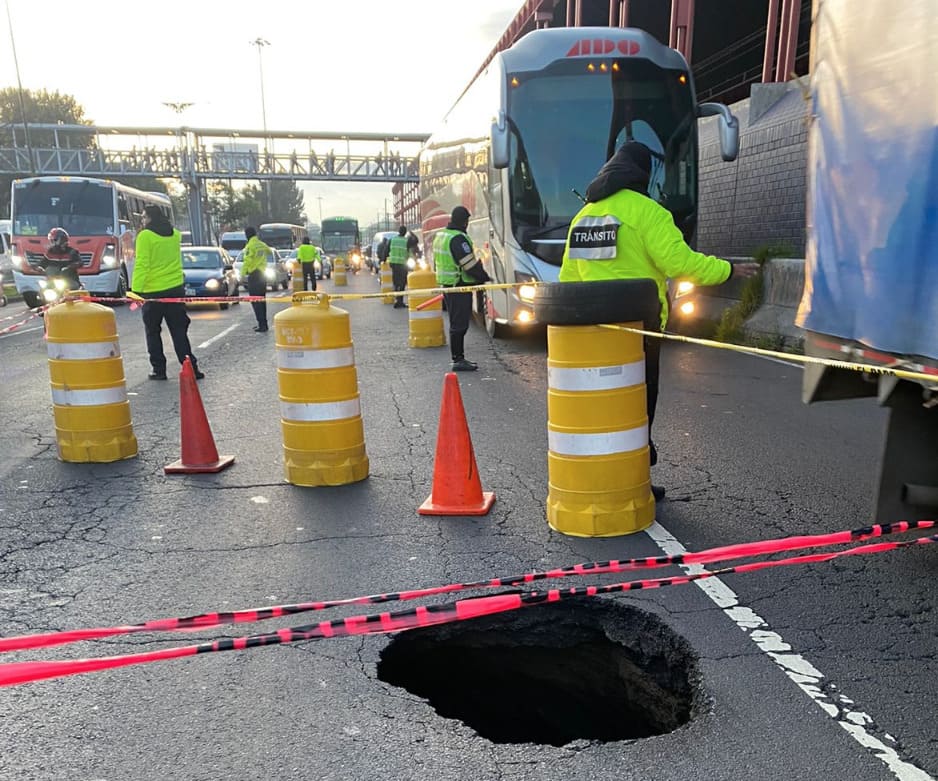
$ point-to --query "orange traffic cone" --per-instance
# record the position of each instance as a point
(456, 486)
(198, 446)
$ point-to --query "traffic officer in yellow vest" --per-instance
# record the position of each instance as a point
(254, 256)
(307, 255)
(397, 257)
(621, 233)
(456, 266)
(158, 274)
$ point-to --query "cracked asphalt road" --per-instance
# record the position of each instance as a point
(742, 458)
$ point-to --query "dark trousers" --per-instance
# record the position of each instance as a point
(652, 370)
(459, 309)
(257, 286)
(177, 321)
(309, 274)
(399, 280)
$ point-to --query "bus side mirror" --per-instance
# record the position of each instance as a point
(729, 128)
(500, 142)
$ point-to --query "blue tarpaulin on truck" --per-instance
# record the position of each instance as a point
(871, 272)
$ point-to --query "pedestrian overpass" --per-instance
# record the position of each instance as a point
(197, 155)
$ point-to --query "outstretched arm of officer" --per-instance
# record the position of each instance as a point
(744, 270)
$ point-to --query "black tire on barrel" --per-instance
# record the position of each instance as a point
(605, 301)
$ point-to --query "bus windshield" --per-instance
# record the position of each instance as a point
(83, 208)
(340, 235)
(566, 123)
(281, 236)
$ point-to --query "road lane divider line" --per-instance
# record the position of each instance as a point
(709, 556)
(217, 336)
(811, 681)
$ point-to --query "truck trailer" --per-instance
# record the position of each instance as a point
(871, 267)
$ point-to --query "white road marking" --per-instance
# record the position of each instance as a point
(19, 331)
(215, 338)
(798, 669)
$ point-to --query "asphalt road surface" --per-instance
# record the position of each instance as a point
(822, 671)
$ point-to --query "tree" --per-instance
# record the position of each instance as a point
(286, 202)
(41, 107)
(234, 208)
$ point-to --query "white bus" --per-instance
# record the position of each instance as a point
(537, 125)
(101, 217)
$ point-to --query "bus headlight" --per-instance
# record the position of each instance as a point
(60, 284)
(525, 316)
(525, 292)
(50, 295)
(16, 261)
(683, 288)
(687, 308)
(109, 258)
(211, 284)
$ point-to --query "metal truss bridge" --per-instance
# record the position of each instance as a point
(198, 155)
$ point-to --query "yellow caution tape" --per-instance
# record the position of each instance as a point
(740, 348)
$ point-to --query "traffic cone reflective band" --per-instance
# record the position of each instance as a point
(456, 486)
(198, 446)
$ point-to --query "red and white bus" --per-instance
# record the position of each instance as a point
(101, 217)
(532, 130)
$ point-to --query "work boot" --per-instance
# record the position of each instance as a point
(157, 375)
(462, 365)
(260, 328)
(198, 374)
(658, 492)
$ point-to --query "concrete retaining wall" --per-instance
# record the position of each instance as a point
(774, 320)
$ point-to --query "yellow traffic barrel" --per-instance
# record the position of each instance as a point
(425, 324)
(296, 271)
(89, 395)
(387, 283)
(599, 482)
(339, 278)
(323, 436)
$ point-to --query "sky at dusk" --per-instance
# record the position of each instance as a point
(353, 66)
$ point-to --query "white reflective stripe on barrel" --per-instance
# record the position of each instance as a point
(424, 314)
(89, 398)
(315, 359)
(623, 375)
(80, 351)
(318, 411)
(601, 444)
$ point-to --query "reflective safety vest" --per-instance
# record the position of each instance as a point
(630, 236)
(448, 272)
(398, 253)
(307, 253)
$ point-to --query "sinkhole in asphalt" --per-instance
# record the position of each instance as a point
(592, 670)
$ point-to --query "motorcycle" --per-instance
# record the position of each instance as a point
(61, 277)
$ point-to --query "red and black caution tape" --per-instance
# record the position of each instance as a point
(460, 610)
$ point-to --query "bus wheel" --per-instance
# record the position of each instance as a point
(592, 303)
(121, 291)
(31, 299)
(486, 313)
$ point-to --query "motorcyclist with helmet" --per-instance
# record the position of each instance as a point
(61, 260)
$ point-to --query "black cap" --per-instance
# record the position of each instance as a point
(460, 215)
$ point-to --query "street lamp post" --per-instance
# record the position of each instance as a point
(260, 43)
(319, 198)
